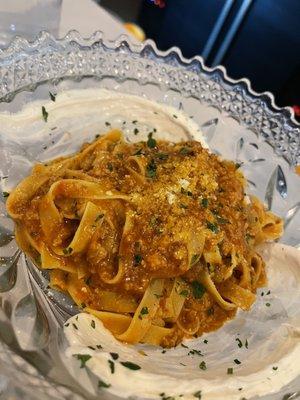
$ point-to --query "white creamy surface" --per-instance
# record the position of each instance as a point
(273, 335)
(76, 117)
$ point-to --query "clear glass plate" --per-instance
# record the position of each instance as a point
(237, 123)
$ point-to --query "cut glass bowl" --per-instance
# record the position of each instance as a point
(236, 122)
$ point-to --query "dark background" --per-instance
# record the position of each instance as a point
(264, 48)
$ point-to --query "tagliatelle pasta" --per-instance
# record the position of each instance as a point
(156, 239)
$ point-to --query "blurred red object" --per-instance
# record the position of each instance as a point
(297, 111)
(159, 3)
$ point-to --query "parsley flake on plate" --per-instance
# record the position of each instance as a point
(202, 365)
(114, 356)
(130, 365)
(83, 358)
(45, 114)
(198, 394)
(102, 384)
(111, 366)
(52, 96)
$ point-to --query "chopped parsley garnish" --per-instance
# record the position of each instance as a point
(93, 324)
(83, 305)
(67, 250)
(185, 151)
(99, 346)
(184, 293)
(240, 344)
(204, 202)
(107, 123)
(162, 156)
(198, 289)
(67, 324)
(151, 169)
(268, 292)
(38, 259)
(211, 268)
(130, 365)
(184, 206)
(97, 136)
(138, 152)
(194, 351)
(5, 194)
(185, 346)
(202, 365)
(45, 114)
(186, 192)
(198, 394)
(75, 326)
(154, 221)
(246, 344)
(111, 366)
(268, 304)
(237, 361)
(114, 356)
(164, 351)
(135, 131)
(151, 143)
(110, 167)
(92, 348)
(221, 220)
(134, 122)
(102, 384)
(99, 216)
(83, 358)
(175, 116)
(87, 281)
(248, 238)
(137, 259)
(275, 368)
(237, 165)
(205, 341)
(229, 371)
(52, 96)
(240, 389)
(210, 311)
(144, 311)
(213, 227)
(195, 258)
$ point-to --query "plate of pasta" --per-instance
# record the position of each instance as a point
(148, 241)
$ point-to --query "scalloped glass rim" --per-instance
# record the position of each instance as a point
(283, 120)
